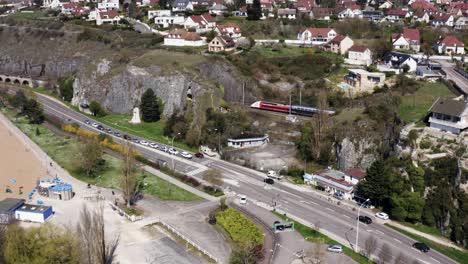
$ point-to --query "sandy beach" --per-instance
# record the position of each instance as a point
(18, 166)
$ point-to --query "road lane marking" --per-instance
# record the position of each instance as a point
(380, 232)
(313, 203)
(329, 209)
(347, 216)
(397, 240)
(435, 260)
(286, 202)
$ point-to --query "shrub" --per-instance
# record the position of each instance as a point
(241, 229)
(425, 144)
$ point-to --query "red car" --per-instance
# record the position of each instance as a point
(199, 155)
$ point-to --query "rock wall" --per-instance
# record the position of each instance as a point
(355, 153)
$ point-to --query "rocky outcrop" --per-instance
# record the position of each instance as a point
(355, 153)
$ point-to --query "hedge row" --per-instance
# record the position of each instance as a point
(241, 229)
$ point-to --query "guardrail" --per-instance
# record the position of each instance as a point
(461, 72)
(193, 244)
(132, 218)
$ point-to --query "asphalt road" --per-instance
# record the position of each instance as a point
(461, 81)
(336, 219)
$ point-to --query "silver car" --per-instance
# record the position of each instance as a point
(335, 248)
(173, 151)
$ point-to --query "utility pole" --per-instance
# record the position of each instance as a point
(300, 95)
(243, 93)
(289, 103)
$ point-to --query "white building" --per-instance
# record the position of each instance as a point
(109, 5)
(52, 4)
(218, 9)
(182, 38)
(408, 40)
(461, 23)
(364, 80)
(201, 23)
(450, 45)
(396, 62)
(359, 55)
(286, 13)
(107, 17)
(349, 13)
(316, 36)
(230, 29)
(165, 18)
(331, 181)
(33, 213)
(159, 13)
(449, 114)
(443, 20)
(246, 141)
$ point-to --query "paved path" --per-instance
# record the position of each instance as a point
(457, 78)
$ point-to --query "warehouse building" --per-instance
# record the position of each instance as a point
(33, 213)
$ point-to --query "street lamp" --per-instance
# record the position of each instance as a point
(357, 225)
(172, 146)
(219, 140)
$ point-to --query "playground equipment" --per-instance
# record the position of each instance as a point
(55, 189)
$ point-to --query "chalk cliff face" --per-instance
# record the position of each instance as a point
(355, 153)
(103, 75)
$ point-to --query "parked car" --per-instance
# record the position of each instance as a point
(421, 247)
(272, 174)
(382, 215)
(153, 145)
(94, 125)
(100, 127)
(136, 140)
(365, 219)
(186, 155)
(144, 143)
(268, 181)
(335, 248)
(173, 151)
(87, 122)
(163, 148)
(117, 134)
(338, 196)
(127, 137)
(199, 155)
(243, 199)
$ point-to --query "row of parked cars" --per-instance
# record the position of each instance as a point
(142, 142)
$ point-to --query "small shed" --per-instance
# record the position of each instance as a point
(33, 213)
(7, 209)
(248, 140)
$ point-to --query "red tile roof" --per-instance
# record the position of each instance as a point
(224, 27)
(396, 12)
(451, 40)
(441, 17)
(424, 5)
(318, 31)
(70, 5)
(338, 39)
(109, 13)
(203, 19)
(356, 173)
(358, 48)
(411, 34)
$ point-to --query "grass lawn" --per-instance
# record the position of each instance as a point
(452, 253)
(151, 131)
(30, 15)
(348, 114)
(414, 107)
(423, 228)
(64, 152)
(287, 51)
(315, 236)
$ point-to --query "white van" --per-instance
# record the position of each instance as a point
(272, 174)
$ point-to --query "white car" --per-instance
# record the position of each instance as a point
(163, 148)
(144, 142)
(186, 155)
(335, 248)
(382, 215)
(95, 125)
(272, 174)
(173, 151)
(153, 145)
(243, 199)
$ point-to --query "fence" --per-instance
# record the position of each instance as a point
(461, 72)
(193, 244)
(132, 218)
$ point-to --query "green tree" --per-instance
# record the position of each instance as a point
(377, 184)
(132, 9)
(129, 180)
(66, 88)
(416, 177)
(254, 11)
(33, 111)
(96, 109)
(150, 107)
(213, 176)
(18, 100)
(210, 36)
(90, 157)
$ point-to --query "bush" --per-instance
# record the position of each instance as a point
(241, 229)
(425, 144)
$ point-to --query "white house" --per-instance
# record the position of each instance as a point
(229, 29)
(461, 23)
(331, 181)
(359, 55)
(201, 23)
(107, 17)
(286, 13)
(159, 13)
(316, 36)
(165, 18)
(449, 114)
(354, 175)
(409, 39)
(218, 9)
(450, 45)
(67, 8)
(349, 13)
(246, 141)
(396, 15)
(182, 38)
(386, 5)
(395, 61)
(52, 4)
(364, 80)
(421, 16)
(442, 20)
(182, 6)
(109, 5)
(339, 44)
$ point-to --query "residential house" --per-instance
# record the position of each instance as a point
(339, 44)
(229, 29)
(159, 13)
(350, 13)
(304, 6)
(321, 13)
(107, 17)
(67, 8)
(450, 45)
(425, 72)
(221, 44)
(218, 9)
(109, 5)
(203, 3)
(386, 5)
(442, 20)
(359, 55)
(52, 4)
(397, 15)
(462, 6)
(425, 6)
(373, 16)
(449, 114)
(317, 36)
(421, 16)
(354, 175)
(461, 23)
(182, 38)
(182, 6)
(201, 23)
(267, 6)
(396, 61)
(331, 181)
(167, 19)
(242, 12)
(286, 13)
(408, 40)
(364, 80)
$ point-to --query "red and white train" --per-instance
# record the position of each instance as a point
(293, 109)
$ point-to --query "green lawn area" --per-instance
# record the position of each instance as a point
(64, 152)
(312, 235)
(414, 107)
(423, 228)
(30, 15)
(151, 131)
(348, 114)
(452, 253)
(287, 51)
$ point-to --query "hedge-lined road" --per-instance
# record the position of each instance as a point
(335, 219)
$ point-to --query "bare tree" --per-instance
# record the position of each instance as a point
(213, 176)
(128, 180)
(370, 246)
(321, 123)
(314, 255)
(385, 255)
(401, 259)
(96, 249)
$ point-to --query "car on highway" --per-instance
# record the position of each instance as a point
(100, 127)
(117, 134)
(335, 248)
(243, 199)
(144, 143)
(365, 219)
(186, 155)
(127, 137)
(272, 174)
(421, 247)
(136, 140)
(95, 125)
(87, 122)
(108, 130)
(163, 148)
(268, 181)
(338, 196)
(199, 155)
(173, 151)
(382, 215)
(153, 145)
